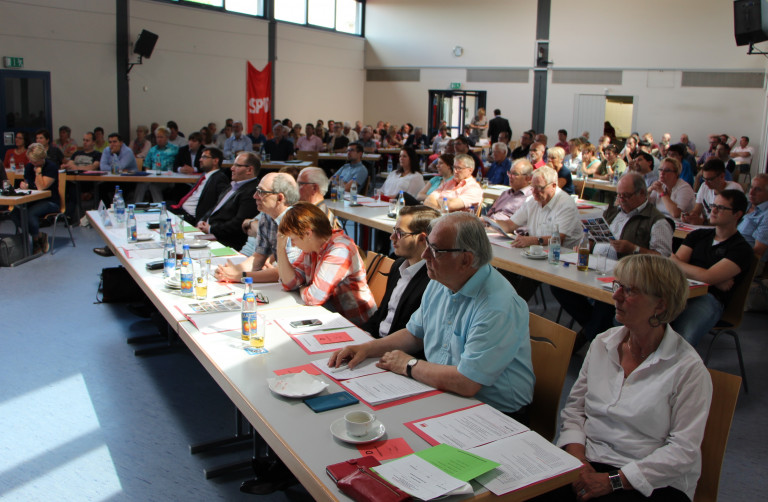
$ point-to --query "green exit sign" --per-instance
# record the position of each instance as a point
(455, 85)
(11, 62)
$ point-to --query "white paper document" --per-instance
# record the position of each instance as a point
(328, 320)
(525, 459)
(384, 387)
(418, 477)
(314, 342)
(470, 427)
(367, 367)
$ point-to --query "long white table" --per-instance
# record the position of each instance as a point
(301, 438)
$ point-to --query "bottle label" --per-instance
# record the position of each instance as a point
(554, 253)
(169, 266)
(250, 324)
(583, 260)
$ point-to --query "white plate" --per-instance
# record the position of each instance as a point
(542, 256)
(197, 243)
(339, 430)
(145, 236)
(309, 387)
(172, 282)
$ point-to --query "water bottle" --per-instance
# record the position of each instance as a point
(334, 190)
(130, 225)
(169, 255)
(186, 273)
(13, 164)
(162, 218)
(261, 153)
(445, 207)
(115, 164)
(400, 202)
(554, 247)
(118, 204)
(353, 192)
(389, 165)
(340, 191)
(248, 311)
(582, 262)
(615, 177)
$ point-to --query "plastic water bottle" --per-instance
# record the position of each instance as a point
(334, 190)
(400, 202)
(582, 262)
(248, 311)
(119, 205)
(340, 191)
(130, 225)
(615, 177)
(389, 165)
(169, 255)
(445, 207)
(115, 165)
(353, 192)
(13, 164)
(186, 273)
(162, 218)
(554, 247)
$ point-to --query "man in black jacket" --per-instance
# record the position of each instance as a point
(214, 183)
(225, 220)
(408, 275)
(188, 158)
(497, 125)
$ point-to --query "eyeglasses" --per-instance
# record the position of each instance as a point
(261, 192)
(512, 173)
(628, 290)
(710, 179)
(720, 208)
(435, 252)
(301, 183)
(539, 188)
(457, 167)
(206, 157)
(626, 195)
(400, 233)
(668, 171)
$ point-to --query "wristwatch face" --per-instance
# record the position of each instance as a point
(615, 480)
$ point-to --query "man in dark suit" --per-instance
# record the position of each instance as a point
(214, 183)
(188, 158)
(225, 220)
(498, 124)
(408, 276)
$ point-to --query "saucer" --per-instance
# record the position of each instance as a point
(339, 430)
(296, 385)
(148, 236)
(172, 282)
(196, 243)
(528, 255)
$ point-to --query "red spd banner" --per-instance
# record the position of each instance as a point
(258, 87)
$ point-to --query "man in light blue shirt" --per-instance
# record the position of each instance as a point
(237, 143)
(354, 168)
(117, 155)
(472, 325)
(754, 225)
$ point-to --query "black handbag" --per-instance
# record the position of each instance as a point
(11, 249)
(117, 286)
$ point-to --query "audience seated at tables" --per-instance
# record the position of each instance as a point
(65, 143)
(100, 142)
(367, 141)
(444, 173)
(43, 137)
(238, 142)
(418, 140)
(354, 169)
(719, 256)
(213, 184)
(754, 225)
(643, 165)
(548, 207)
(279, 148)
(275, 194)
(520, 176)
(406, 177)
(572, 161)
(639, 229)
(636, 415)
(589, 161)
(161, 158)
(497, 172)
(440, 139)
(118, 154)
(258, 140)
(337, 142)
(225, 220)
(141, 145)
(671, 195)
(612, 165)
(18, 153)
(86, 158)
(471, 325)
(408, 276)
(41, 173)
(329, 270)
(174, 136)
(526, 139)
(555, 161)
(460, 193)
(309, 142)
(188, 158)
(713, 174)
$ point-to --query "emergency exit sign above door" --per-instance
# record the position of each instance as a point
(12, 62)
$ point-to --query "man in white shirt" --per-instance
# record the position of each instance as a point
(713, 174)
(175, 138)
(408, 276)
(548, 207)
(350, 133)
(742, 154)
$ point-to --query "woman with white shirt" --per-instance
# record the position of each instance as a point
(573, 160)
(671, 194)
(407, 176)
(636, 415)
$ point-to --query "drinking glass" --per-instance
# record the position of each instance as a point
(202, 270)
(377, 194)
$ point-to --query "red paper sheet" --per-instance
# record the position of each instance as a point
(335, 337)
(386, 449)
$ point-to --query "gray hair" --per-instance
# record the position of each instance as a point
(285, 184)
(638, 182)
(317, 176)
(525, 166)
(500, 146)
(556, 152)
(546, 173)
(163, 130)
(465, 160)
(470, 236)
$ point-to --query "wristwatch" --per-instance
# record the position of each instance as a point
(541, 241)
(615, 479)
(245, 274)
(409, 367)
(637, 250)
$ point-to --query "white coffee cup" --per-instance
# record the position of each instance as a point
(536, 250)
(359, 423)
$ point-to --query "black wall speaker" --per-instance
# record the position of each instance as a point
(145, 44)
(750, 21)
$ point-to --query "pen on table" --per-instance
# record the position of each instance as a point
(224, 294)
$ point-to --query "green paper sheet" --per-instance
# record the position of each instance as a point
(456, 462)
(225, 251)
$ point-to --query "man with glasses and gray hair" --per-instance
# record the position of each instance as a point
(460, 192)
(471, 325)
(313, 185)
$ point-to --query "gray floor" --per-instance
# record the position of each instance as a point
(82, 418)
